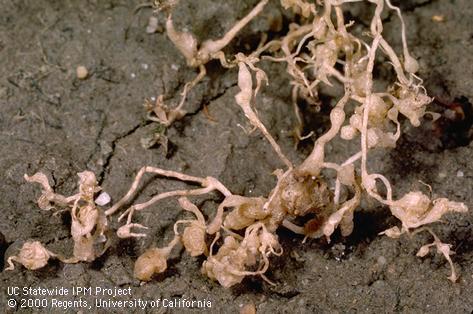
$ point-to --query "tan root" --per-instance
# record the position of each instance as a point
(308, 198)
(33, 255)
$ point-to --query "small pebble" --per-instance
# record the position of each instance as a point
(248, 308)
(460, 174)
(438, 18)
(103, 199)
(152, 25)
(381, 261)
(82, 72)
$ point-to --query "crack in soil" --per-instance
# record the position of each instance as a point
(103, 119)
(107, 161)
(105, 168)
(420, 5)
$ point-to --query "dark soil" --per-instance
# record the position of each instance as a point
(50, 121)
